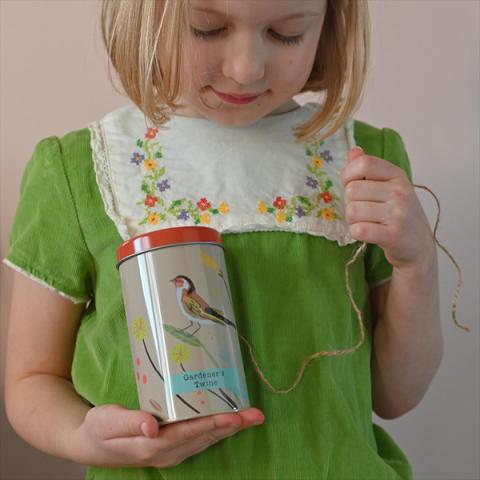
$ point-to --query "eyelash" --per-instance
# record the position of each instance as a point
(213, 33)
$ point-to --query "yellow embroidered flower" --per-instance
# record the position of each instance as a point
(150, 164)
(280, 216)
(153, 218)
(223, 208)
(180, 353)
(205, 218)
(317, 161)
(328, 214)
(139, 328)
(261, 207)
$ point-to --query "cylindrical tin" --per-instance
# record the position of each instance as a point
(183, 336)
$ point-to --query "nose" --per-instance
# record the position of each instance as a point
(244, 59)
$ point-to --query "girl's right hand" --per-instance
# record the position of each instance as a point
(115, 436)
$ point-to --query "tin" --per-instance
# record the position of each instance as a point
(182, 329)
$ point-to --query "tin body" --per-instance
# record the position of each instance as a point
(183, 335)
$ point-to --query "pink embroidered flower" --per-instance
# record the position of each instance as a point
(203, 204)
(150, 201)
(279, 202)
(151, 133)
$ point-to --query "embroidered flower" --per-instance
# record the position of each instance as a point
(163, 185)
(311, 182)
(327, 156)
(150, 201)
(317, 161)
(327, 213)
(137, 158)
(223, 208)
(203, 204)
(151, 133)
(153, 218)
(183, 215)
(150, 164)
(139, 328)
(326, 197)
(280, 216)
(205, 218)
(299, 212)
(261, 206)
(279, 202)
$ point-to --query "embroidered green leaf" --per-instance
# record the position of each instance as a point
(304, 200)
(289, 219)
(161, 172)
(215, 211)
(158, 154)
(175, 203)
(328, 184)
(139, 143)
(270, 210)
(145, 188)
(308, 151)
(197, 221)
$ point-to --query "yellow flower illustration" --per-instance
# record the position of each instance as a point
(223, 208)
(153, 218)
(317, 161)
(280, 216)
(150, 164)
(261, 207)
(180, 353)
(205, 218)
(327, 214)
(139, 328)
(209, 262)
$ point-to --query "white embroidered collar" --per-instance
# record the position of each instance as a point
(234, 179)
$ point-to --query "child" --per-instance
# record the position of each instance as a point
(214, 137)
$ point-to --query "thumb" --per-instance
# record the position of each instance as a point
(355, 152)
(115, 421)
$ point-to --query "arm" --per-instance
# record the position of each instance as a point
(46, 411)
(407, 340)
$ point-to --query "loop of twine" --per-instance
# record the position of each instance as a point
(358, 312)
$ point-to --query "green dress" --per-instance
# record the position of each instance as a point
(289, 301)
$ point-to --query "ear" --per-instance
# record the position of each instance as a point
(354, 153)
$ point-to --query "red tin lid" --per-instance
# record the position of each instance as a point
(167, 236)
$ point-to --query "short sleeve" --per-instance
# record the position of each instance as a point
(46, 242)
(378, 269)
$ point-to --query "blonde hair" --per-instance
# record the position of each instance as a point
(131, 31)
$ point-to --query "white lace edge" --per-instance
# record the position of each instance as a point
(43, 283)
(102, 174)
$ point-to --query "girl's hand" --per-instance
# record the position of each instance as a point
(382, 208)
(115, 436)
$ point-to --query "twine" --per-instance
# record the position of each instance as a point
(329, 353)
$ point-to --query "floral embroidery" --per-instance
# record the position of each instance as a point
(154, 185)
(321, 203)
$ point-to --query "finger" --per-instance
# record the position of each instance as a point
(360, 211)
(114, 421)
(371, 233)
(371, 168)
(355, 152)
(180, 433)
(368, 190)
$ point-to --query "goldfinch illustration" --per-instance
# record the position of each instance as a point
(194, 307)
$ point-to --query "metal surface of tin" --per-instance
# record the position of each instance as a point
(183, 334)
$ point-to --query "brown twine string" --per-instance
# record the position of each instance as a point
(328, 353)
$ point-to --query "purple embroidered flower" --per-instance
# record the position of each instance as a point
(183, 215)
(137, 158)
(326, 155)
(163, 185)
(311, 182)
(299, 212)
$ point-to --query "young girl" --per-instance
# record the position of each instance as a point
(214, 137)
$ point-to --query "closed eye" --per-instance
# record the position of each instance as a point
(211, 34)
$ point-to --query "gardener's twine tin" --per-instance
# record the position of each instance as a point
(183, 334)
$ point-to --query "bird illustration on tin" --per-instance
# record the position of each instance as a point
(194, 307)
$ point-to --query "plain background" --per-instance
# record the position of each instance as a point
(424, 83)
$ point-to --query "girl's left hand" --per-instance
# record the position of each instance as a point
(382, 208)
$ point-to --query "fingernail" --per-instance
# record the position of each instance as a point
(144, 428)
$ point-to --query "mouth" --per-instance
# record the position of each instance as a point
(237, 99)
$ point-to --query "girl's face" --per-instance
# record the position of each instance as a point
(260, 48)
